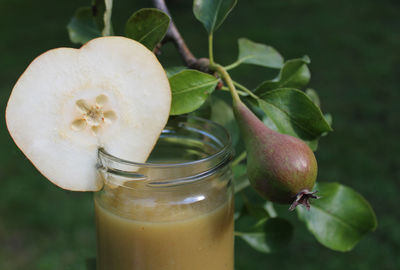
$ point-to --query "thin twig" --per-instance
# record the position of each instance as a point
(174, 36)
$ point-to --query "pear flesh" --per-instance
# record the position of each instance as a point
(111, 93)
(281, 168)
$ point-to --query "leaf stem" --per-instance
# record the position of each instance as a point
(239, 159)
(174, 36)
(241, 93)
(233, 65)
(210, 49)
(245, 89)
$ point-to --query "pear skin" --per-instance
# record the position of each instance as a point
(281, 168)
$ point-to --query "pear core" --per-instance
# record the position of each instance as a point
(93, 116)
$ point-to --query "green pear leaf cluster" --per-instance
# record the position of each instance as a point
(284, 103)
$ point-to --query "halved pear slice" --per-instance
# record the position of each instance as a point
(111, 93)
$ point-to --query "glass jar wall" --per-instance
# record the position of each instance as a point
(174, 212)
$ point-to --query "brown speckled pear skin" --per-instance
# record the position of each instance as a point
(279, 166)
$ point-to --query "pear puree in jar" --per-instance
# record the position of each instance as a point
(152, 232)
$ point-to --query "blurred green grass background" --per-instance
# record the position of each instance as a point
(354, 46)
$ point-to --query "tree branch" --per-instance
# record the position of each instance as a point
(173, 35)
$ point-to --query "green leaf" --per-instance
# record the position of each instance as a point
(312, 94)
(261, 109)
(294, 113)
(240, 180)
(190, 89)
(171, 71)
(204, 111)
(294, 74)
(269, 123)
(148, 26)
(340, 218)
(222, 113)
(212, 12)
(258, 54)
(91, 22)
(82, 27)
(276, 234)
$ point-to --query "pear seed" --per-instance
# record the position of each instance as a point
(110, 116)
(82, 106)
(101, 100)
(78, 124)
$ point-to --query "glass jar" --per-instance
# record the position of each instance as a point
(174, 212)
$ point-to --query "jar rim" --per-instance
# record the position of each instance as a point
(224, 150)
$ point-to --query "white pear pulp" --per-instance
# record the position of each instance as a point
(111, 93)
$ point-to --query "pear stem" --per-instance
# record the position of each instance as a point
(228, 80)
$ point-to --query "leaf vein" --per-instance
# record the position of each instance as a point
(291, 119)
(193, 88)
(216, 14)
(152, 30)
(339, 219)
(285, 82)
